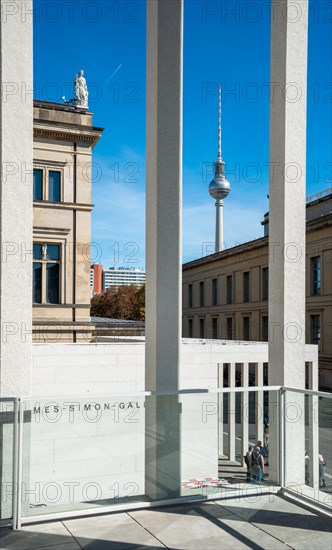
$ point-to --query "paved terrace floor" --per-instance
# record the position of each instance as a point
(264, 522)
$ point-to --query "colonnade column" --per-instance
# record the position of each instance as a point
(16, 163)
(313, 433)
(287, 251)
(259, 413)
(221, 410)
(163, 244)
(245, 409)
(231, 412)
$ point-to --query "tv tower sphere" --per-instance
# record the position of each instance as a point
(219, 186)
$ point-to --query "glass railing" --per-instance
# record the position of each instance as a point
(83, 455)
(308, 445)
(8, 435)
(98, 453)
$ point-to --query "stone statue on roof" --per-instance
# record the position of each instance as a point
(81, 91)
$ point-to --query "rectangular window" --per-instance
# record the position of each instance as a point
(225, 375)
(190, 328)
(246, 329)
(315, 276)
(229, 289)
(190, 295)
(265, 328)
(246, 286)
(265, 283)
(54, 185)
(215, 328)
(201, 328)
(37, 185)
(201, 293)
(52, 283)
(214, 292)
(307, 373)
(37, 283)
(46, 273)
(315, 329)
(229, 327)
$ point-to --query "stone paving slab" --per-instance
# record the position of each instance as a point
(262, 507)
(247, 534)
(36, 536)
(207, 526)
(111, 532)
(265, 523)
(63, 546)
(300, 532)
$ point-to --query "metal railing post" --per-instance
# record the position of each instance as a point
(18, 454)
(15, 463)
(282, 437)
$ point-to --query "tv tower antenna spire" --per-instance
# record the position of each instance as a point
(219, 123)
(219, 186)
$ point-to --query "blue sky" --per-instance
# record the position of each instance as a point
(225, 42)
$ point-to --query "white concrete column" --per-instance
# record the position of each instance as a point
(259, 419)
(16, 125)
(16, 131)
(221, 410)
(313, 433)
(163, 243)
(231, 412)
(287, 217)
(245, 410)
(163, 193)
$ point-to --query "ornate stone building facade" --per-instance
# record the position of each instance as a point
(225, 295)
(64, 137)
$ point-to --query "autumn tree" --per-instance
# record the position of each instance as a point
(139, 305)
(125, 302)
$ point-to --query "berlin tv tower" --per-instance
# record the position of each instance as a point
(219, 186)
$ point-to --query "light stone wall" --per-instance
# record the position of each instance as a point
(112, 449)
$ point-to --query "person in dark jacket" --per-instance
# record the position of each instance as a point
(322, 465)
(257, 465)
(247, 460)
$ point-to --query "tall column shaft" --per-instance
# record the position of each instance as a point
(313, 428)
(232, 413)
(245, 410)
(163, 245)
(259, 422)
(16, 163)
(163, 193)
(287, 194)
(287, 220)
(220, 410)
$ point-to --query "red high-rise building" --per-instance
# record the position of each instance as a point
(97, 278)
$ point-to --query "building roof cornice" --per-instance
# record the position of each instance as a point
(54, 106)
(245, 247)
(312, 225)
(76, 133)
